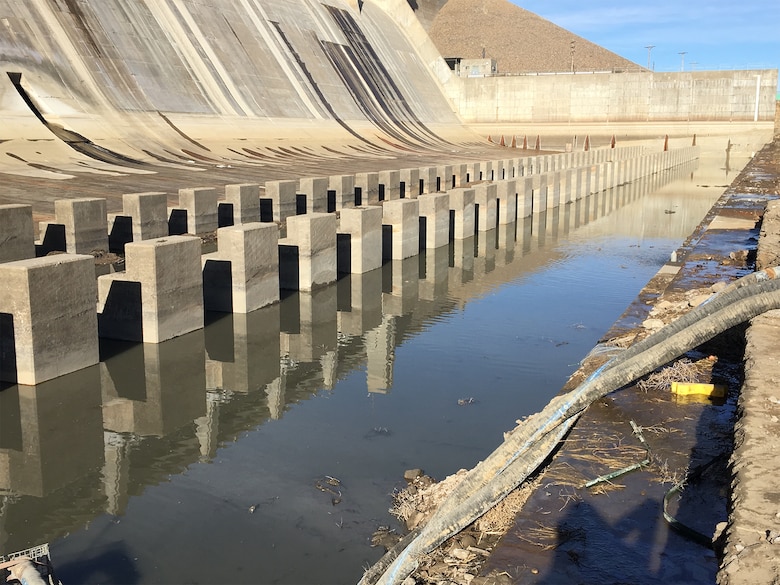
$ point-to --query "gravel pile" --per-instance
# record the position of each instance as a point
(519, 40)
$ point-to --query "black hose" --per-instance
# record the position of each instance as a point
(529, 444)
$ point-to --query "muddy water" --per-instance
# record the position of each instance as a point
(209, 459)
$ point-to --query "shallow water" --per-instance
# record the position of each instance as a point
(160, 466)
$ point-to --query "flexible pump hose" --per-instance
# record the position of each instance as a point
(531, 442)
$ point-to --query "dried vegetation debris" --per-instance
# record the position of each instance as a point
(674, 305)
(459, 559)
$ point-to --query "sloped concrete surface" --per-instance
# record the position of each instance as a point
(137, 81)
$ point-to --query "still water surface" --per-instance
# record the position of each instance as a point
(196, 461)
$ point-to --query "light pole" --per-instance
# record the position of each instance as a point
(649, 49)
(682, 59)
(571, 46)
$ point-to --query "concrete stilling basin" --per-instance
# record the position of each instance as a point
(365, 327)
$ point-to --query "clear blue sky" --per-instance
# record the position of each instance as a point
(715, 34)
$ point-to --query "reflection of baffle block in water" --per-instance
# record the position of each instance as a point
(201, 207)
(485, 254)
(380, 356)
(506, 194)
(316, 331)
(389, 185)
(505, 242)
(359, 303)
(341, 189)
(462, 213)
(154, 389)
(363, 226)
(435, 216)
(409, 183)
(48, 326)
(366, 188)
(462, 268)
(86, 224)
(245, 200)
(254, 339)
(52, 435)
(149, 213)
(16, 226)
(434, 284)
(313, 236)
(404, 289)
(402, 215)
(243, 274)
(485, 201)
(279, 201)
(316, 191)
(167, 297)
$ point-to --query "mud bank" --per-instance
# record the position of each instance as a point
(751, 536)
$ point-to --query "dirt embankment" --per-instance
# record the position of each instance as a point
(519, 40)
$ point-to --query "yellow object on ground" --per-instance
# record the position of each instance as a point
(709, 390)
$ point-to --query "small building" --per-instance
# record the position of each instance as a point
(472, 67)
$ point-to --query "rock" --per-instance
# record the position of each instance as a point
(414, 519)
(385, 537)
(412, 474)
(719, 286)
(439, 568)
(652, 324)
(719, 528)
(460, 554)
(698, 300)
(467, 540)
(409, 581)
(739, 256)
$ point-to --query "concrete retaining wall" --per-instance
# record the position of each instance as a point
(618, 97)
